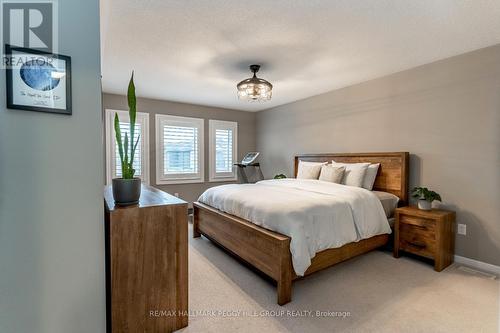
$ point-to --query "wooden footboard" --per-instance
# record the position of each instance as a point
(266, 250)
(269, 251)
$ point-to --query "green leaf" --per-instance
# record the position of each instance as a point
(423, 193)
(132, 101)
(134, 148)
(118, 136)
(125, 167)
(132, 111)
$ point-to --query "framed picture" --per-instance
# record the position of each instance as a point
(38, 81)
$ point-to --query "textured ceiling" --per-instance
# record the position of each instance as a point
(196, 51)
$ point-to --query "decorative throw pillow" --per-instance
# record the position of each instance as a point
(371, 174)
(309, 170)
(354, 173)
(332, 173)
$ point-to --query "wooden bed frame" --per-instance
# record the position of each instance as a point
(269, 251)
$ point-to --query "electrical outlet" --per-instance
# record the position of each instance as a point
(176, 194)
(462, 229)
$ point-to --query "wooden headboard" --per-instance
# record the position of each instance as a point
(392, 175)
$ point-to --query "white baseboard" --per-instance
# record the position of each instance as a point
(478, 265)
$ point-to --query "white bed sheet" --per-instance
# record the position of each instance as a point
(317, 215)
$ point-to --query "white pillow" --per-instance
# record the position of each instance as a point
(332, 173)
(371, 174)
(389, 202)
(309, 170)
(354, 173)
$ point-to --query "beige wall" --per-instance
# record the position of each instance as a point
(446, 114)
(246, 134)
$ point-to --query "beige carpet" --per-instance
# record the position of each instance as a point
(371, 293)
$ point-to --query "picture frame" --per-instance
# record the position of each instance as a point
(38, 81)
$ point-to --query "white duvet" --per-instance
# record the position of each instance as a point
(317, 215)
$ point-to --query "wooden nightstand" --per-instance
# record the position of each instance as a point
(427, 233)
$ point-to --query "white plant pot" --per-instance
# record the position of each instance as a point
(424, 205)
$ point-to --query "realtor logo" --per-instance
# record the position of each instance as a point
(29, 24)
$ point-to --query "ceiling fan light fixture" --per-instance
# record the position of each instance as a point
(255, 89)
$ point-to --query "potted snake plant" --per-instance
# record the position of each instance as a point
(127, 189)
(425, 197)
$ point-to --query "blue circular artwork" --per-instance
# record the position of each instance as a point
(38, 75)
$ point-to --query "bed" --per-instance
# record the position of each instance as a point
(270, 251)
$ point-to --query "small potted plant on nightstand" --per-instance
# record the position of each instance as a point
(127, 189)
(425, 197)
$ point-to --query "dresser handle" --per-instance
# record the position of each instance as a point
(419, 245)
(423, 227)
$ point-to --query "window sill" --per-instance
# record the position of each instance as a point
(180, 181)
(222, 179)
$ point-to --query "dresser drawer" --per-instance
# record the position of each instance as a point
(425, 224)
(417, 239)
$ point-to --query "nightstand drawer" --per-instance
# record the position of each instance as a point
(428, 233)
(417, 239)
(426, 224)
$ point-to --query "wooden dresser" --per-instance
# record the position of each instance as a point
(146, 263)
(430, 234)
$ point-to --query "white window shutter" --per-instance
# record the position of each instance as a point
(222, 150)
(179, 149)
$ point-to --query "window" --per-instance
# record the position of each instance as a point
(179, 150)
(222, 150)
(141, 158)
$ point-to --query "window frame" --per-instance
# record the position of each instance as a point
(143, 119)
(214, 125)
(161, 178)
